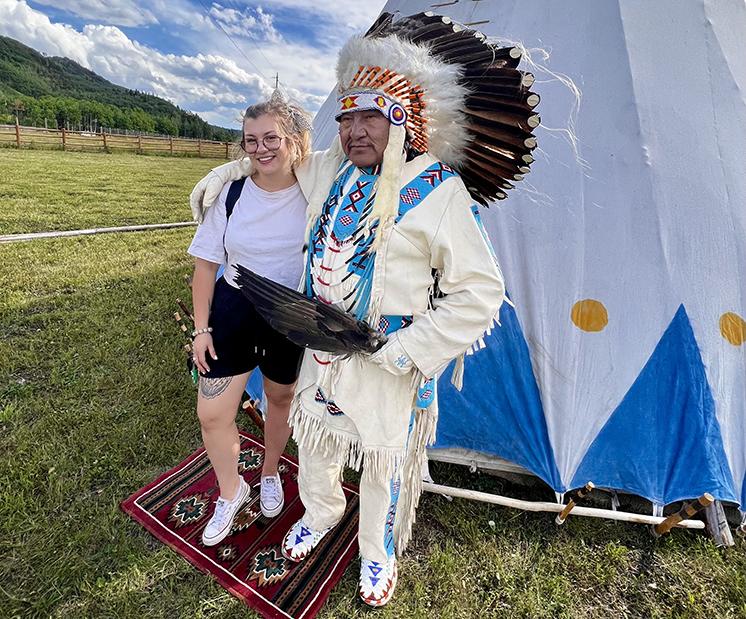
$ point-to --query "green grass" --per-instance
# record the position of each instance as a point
(44, 190)
(95, 403)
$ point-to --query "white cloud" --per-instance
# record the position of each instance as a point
(196, 82)
(355, 15)
(116, 12)
(35, 30)
(215, 80)
(245, 23)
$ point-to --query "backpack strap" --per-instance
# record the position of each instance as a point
(234, 192)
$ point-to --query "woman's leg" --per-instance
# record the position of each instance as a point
(276, 429)
(217, 405)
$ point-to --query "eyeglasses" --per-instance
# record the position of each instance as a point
(270, 142)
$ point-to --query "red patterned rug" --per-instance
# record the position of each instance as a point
(177, 505)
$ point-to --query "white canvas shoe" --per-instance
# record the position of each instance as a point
(219, 526)
(271, 496)
(301, 540)
(377, 581)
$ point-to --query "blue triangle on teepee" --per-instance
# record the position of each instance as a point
(374, 581)
(375, 569)
(298, 539)
(499, 409)
(663, 441)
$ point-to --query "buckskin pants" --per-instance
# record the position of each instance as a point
(320, 487)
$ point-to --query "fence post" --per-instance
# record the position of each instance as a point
(226, 150)
(63, 137)
(199, 147)
(103, 134)
(171, 144)
(139, 143)
(18, 134)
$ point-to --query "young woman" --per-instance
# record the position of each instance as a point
(264, 232)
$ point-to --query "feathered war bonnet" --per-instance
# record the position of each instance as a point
(445, 90)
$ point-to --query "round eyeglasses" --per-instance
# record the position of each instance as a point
(270, 142)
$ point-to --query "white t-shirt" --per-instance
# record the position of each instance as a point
(264, 234)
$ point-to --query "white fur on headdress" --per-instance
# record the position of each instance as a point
(443, 95)
(386, 205)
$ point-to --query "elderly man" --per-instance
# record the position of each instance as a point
(394, 238)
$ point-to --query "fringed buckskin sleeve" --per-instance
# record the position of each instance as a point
(470, 279)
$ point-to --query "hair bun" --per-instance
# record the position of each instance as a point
(301, 120)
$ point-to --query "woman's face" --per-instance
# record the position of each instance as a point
(266, 145)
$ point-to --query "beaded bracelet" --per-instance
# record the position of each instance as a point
(197, 332)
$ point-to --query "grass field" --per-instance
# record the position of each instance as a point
(52, 190)
(94, 403)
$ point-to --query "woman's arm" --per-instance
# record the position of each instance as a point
(203, 287)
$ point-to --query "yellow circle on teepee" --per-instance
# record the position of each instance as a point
(733, 328)
(589, 315)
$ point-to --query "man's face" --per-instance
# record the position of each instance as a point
(364, 136)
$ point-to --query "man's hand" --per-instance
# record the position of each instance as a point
(392, 357)
(207, 190)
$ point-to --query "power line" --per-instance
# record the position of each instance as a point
(240, 51)
(254, 43)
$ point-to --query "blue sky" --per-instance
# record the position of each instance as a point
(210, 57)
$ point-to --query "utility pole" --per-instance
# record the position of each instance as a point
(277, 80)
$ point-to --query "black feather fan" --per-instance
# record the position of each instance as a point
(307, 322)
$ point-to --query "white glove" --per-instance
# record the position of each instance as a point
(207, 190)
(392, 357)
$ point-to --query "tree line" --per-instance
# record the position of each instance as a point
(56, 112)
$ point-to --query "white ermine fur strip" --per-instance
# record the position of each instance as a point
(386, 206)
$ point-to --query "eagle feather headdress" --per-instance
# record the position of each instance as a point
(465, 101)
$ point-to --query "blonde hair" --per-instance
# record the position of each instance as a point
(292, 120)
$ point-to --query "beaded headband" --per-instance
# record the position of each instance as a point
(362, 100)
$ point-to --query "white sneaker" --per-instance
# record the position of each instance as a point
(377, 581)
(271, 497)
(301, 540)
(219, 526)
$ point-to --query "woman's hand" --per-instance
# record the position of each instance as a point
(202, 346)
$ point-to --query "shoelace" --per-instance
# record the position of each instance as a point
(269, 489)
(221, 509)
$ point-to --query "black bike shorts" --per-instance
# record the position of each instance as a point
(243, 340)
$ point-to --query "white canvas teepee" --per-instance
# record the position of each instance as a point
(624, 360)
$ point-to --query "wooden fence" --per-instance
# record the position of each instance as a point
(38, 137)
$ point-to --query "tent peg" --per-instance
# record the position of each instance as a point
(579, 495)
(249, 407)
(687, 511)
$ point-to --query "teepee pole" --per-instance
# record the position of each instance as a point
(542, 506)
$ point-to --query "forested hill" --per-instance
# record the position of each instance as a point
(64, 93)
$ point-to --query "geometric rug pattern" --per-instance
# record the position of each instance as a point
(176, 507)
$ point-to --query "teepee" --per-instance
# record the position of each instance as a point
(623, 361)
